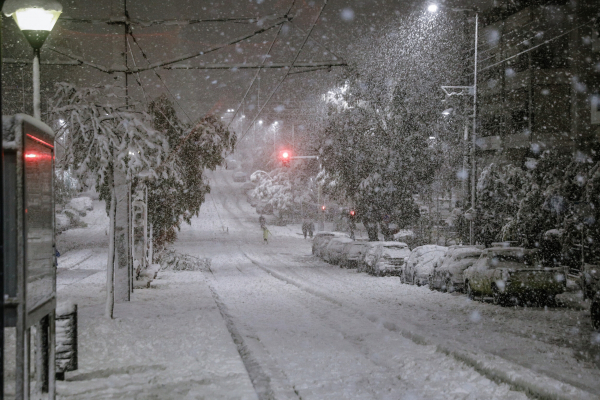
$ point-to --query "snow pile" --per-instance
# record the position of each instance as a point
(173, 261)
(62, 221)
(81, 204)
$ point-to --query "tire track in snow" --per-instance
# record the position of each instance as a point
(493, 367)
(260, 380)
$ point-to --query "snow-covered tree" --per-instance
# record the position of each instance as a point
(500, 190)
(377, 147)
(176, 198)
(108, 144)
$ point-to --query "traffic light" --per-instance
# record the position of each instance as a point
(352, 214)
(323, 208)
(285, 158)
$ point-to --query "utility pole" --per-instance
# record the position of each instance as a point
(473, 91)
(474, 137)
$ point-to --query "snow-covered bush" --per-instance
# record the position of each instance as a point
(171, 260)
(500, 190)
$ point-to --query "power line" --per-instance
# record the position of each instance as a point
(288, 70)
(159, 77)
(259, 68)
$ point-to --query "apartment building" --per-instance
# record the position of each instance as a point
(539, 81)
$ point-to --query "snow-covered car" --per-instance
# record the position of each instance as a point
(509, 274)
(239, 176)
(421, 263)
(335, 249)
(391, 258)
(369, 259)
(448, 276)
(247, 186)
(321, 240)
(353, 253)
(81, 205)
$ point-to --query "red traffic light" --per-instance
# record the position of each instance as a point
(285, 156)
(352, 213)
(323, 208)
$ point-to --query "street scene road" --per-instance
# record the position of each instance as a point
(316, 330)
(291, 199)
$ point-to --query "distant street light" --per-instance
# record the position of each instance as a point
(447, 111)
(35, 20)
(432, 8)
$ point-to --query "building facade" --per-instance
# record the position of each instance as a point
(539, 82)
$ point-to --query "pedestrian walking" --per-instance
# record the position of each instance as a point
(266, 234)
(305, 226)
(311, 228)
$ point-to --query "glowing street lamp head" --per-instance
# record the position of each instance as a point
(432, 8)
(35, 20)
(285, 155)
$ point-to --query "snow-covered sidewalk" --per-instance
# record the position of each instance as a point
(169, 342)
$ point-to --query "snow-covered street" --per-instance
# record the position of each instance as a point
(306, 329)
(322, 330)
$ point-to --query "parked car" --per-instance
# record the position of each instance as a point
(510, 274)
(335, 249)
(247, 186)
(321, 240)
(353, 253)
(391, 258)
(367, 263)
(239, 176)
(448, 277)
(421, 264)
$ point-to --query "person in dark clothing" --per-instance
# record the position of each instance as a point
(311, 228)
(305, 228)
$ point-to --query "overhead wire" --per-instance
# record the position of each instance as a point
(260, 67)
(159, 77)
(288, 70)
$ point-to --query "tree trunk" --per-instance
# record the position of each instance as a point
(122, 237)
(110, 298)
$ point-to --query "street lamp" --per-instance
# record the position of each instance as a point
(35, 19)
(471, 90)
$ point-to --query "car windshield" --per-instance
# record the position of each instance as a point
(517, 257)
(474, 254)
(395, 252)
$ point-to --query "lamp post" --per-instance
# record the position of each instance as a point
(433, 8)
(35, 20)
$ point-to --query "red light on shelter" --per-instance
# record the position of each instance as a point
(31, 155)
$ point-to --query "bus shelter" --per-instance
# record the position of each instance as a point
(29, 257)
